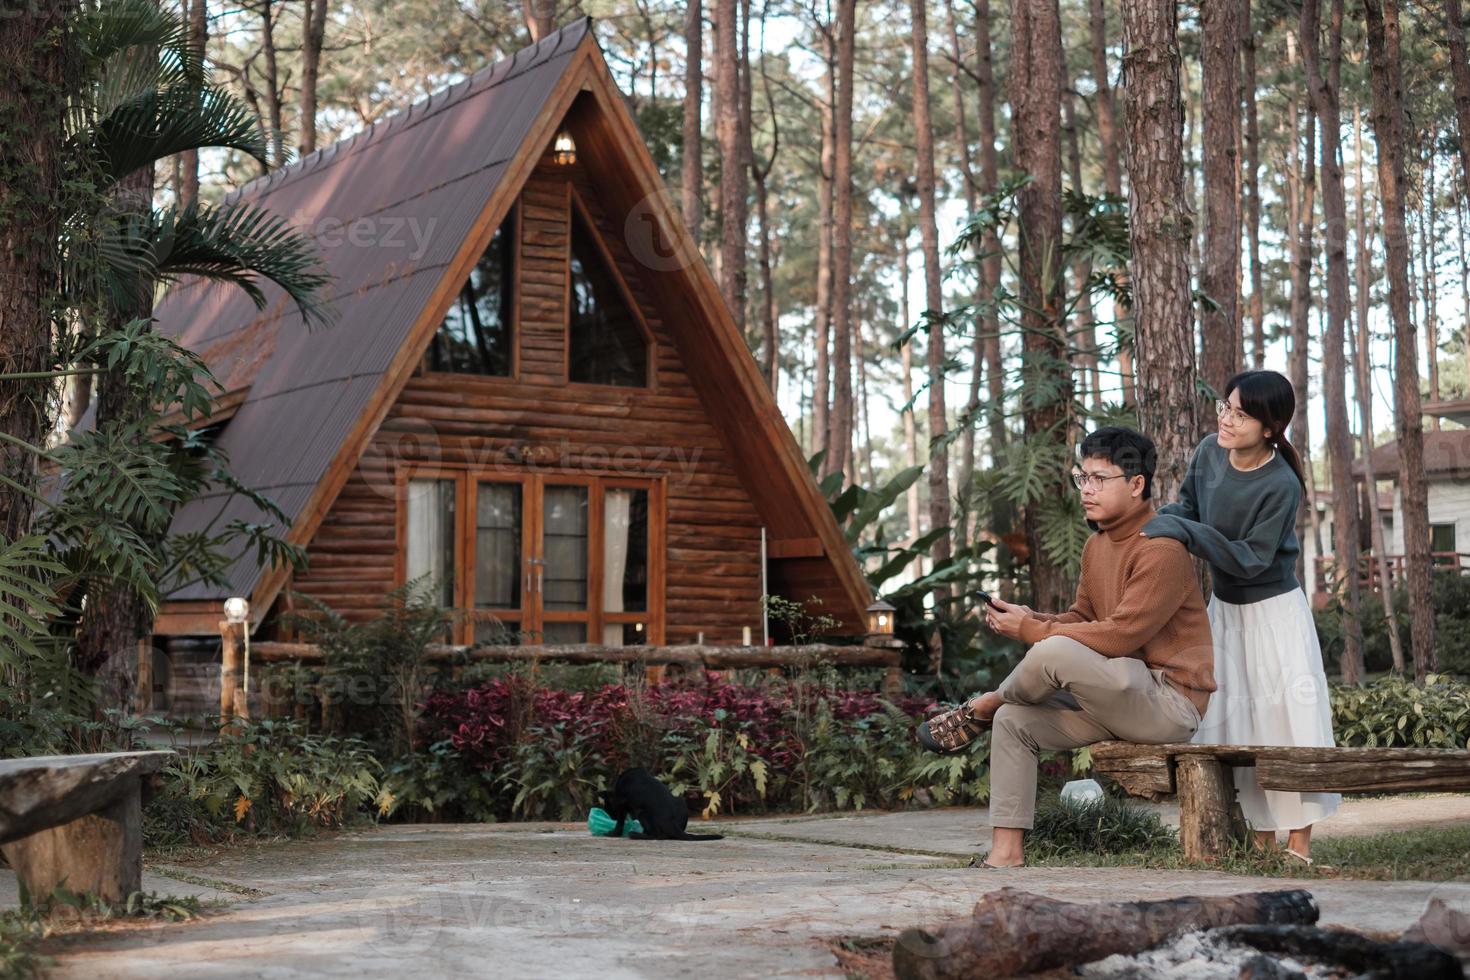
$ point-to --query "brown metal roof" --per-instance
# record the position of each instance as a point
(390, 209)
(1446, 453)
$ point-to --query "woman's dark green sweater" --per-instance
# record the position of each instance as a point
(1242, 522)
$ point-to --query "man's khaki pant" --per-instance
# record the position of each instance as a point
(1064, 694)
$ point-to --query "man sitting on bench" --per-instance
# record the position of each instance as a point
(1131, 660)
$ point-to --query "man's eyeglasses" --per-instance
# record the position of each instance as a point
(1225, 410)
(1093, 481)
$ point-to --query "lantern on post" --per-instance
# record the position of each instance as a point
(880, 619)
(234, 675)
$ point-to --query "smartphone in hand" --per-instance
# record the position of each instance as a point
(984, 597)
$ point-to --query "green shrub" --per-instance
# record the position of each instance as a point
(1393, 711)
(1451, 600)
(267, 777)
(1102, 826)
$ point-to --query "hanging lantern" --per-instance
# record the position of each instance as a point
(564, 150)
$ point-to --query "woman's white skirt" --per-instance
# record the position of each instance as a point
(1271, 690)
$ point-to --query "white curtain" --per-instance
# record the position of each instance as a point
(427, 536)
(617, 505)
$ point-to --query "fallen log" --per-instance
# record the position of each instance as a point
(1013, 932)
(1401, 959)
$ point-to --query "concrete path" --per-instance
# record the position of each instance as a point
(547, 900)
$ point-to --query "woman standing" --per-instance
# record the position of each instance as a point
(1237, 510)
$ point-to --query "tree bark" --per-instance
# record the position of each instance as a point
(1105, 108)
(540, 17)
(1388, 130)
(842, 408)
(691, 173)
(977, 345)
(1036, 94)
(761, 174)
(1363, 378)
(189, 160)
(1160, 230)
(1251, 190)
(822, 320)
(938, 465)
(1220, 268)
(1302, 182)
(311, 59)
(1428, 278)
(990, 266)
(732, 158)
(910, 423)
(35, 73)
(272, 83)
(1324, 89)
(1454, 23)
(1086, 330)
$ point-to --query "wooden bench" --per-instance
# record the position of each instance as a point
(76, 820)
(1199, 775)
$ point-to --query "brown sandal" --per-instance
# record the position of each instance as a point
(951, 731)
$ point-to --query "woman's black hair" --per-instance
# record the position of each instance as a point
(1129, 450)
(1269, 398)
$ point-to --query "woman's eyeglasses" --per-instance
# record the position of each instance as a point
(1093, 481)
(1228, 412)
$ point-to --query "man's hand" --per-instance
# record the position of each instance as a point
(1007, 619)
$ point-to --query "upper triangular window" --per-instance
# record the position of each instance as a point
(476, 335)
(605, 344)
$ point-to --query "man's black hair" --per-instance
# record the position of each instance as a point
(1129, 450)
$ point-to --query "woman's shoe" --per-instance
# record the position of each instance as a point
(951, 731)
(1297, 856)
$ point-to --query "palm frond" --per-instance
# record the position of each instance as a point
(27, 598)
(242, 244)
(158, 122)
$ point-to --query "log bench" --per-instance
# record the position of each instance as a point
(77, 821)
(1199, 775)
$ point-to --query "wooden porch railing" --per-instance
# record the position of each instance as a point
(1368, 566)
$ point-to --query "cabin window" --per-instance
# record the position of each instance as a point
(1442, 540)
(559, 559)
(605, 344)
(430, 531)
(475, 337)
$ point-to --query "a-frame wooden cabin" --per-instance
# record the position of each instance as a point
(533, 391)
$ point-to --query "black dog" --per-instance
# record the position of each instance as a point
(663, 815)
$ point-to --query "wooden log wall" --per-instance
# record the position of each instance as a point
(713, 530)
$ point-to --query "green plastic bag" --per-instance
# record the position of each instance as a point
(601, 824)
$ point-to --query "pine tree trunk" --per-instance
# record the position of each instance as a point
(732, 158)
(1324, 93)
(198, 27)
(1460, 70)
(1389, 135)
(116, 618)
(977, 346)
(938, 468)
(272, 83)
(1301, 209)
(1160, 230)
(540, 17)
(35, 50)
(1036, 96)
(1251, 190)
(842, 424)
(1363, 378)
(311, 59)
(990, 266)
(770, 320)
(691, 172)
(822, 326)
(1085, 331)
(1429, 279)
(1105, 109)
(1220, 269)
(910, 423)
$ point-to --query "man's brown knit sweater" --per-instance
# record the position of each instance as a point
(1139, 597)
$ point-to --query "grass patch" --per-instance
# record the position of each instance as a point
(24, 927)
(1102, 826)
